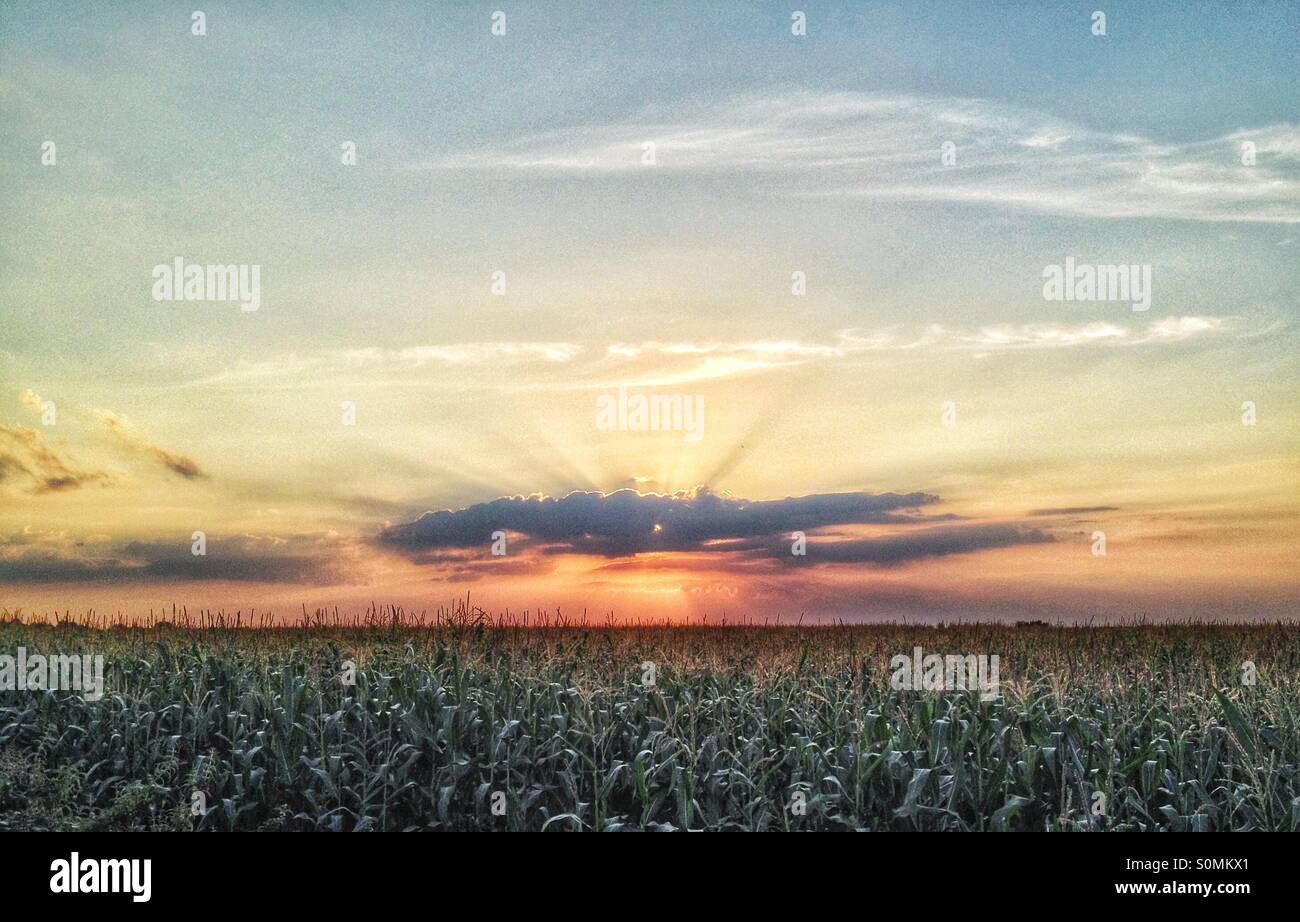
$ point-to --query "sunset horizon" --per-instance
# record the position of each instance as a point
(870, 416)
(910, 336)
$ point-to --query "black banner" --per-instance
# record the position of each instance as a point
(142, 873)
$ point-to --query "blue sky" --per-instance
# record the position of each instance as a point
(775, 154)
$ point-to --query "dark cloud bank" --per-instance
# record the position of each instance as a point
(707, 529)
(234, 559)
(625, 523)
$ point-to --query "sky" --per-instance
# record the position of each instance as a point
(825, 256)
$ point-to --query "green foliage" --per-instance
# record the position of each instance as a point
(555, 726)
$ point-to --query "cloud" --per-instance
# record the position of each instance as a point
(472, 566)
(626, 522)
(888, 147)
(665, 364)
(26, 458)
(177, 464)
(1073, 510)
(31, 400)
(937, 337)
(695, 532)
(1051, 335)
(54, 558)
(655, 363)
(403, 363)
(893, 550)
(778, 350)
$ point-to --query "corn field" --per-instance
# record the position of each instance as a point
(451, 727)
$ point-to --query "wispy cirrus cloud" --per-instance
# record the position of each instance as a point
(938, 337)
(663, 363)
(675, 363)
(1054, 335)
(176, 463)
(32, 464)
(404, 362)
(888, 147)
